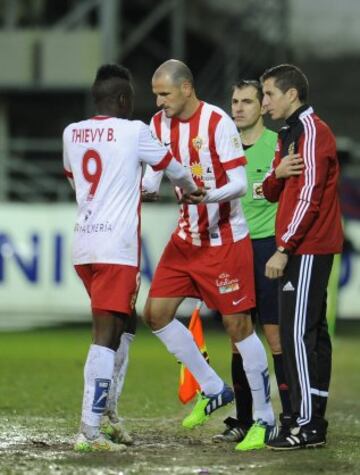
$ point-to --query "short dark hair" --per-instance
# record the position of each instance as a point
(288, 76)
(108, 71)
(109, 81)
(242, 83)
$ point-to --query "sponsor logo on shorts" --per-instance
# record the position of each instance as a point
(225, 289)
(226, 285)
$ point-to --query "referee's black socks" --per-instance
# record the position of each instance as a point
(243, 398)
(281, 383)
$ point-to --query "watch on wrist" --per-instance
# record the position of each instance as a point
(282, 250)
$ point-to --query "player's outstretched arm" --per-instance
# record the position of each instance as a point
(236, 187)
(150, 185)
(181, 177)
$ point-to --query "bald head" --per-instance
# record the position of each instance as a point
(173, 86)
(175, 71)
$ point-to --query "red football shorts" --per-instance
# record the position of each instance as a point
(111, 287)
(222, 276)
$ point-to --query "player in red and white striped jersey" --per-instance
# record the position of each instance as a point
(209, 255)
(103, 159)
(210, 146)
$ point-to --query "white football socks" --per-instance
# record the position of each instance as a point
(98, 371)
(257, 372)
(120, 370)
(180, 342)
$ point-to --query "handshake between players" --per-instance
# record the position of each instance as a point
(193, 198)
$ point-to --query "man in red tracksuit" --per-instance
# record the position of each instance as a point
(303, 179)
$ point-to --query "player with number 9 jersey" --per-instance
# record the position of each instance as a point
(103, 159)
(104, 155)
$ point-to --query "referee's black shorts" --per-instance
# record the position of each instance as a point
(267, 308)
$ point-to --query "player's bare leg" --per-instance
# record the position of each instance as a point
(98, 372)
(241, 332)
(159, 314)
(112, 425)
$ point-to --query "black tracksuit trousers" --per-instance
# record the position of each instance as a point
(304, 335)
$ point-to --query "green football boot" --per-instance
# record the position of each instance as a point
(100, 444)
(259, 433)
(114, 430)
(205, 405)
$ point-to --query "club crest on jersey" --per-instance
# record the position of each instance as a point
(197, 143)
(236, 141)
(291, 149)
(225, 284)
(196, 170)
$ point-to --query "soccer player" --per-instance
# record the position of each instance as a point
(308, 234)
(103, 159)
(209, 255)
(259, 144)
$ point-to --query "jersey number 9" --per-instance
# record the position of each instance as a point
(92, 169)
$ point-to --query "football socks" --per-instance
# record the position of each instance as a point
(180, 342)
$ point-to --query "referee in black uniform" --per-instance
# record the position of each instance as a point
(308, 234)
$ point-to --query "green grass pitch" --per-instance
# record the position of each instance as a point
(40, 400)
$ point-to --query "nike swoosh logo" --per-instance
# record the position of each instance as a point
(235, 302)
(167, 144)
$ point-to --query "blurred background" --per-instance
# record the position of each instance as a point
(49, 54)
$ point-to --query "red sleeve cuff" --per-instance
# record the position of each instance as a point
(164, 163)
(236, 162)
(68, 174)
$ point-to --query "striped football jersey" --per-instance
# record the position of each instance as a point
(209, 144)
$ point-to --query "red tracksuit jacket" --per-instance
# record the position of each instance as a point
(308, 219)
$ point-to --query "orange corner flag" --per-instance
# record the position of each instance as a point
(188, 386)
